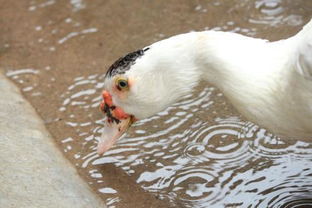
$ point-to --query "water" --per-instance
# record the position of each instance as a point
(194, 156)
(197, 153)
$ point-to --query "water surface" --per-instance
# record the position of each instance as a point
(197, 153)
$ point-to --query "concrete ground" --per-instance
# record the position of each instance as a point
(33, 172)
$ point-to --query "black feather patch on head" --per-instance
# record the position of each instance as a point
(123, 64)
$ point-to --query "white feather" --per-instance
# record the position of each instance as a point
(268, 82)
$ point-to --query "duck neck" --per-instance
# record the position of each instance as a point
(227, 60)
(223, 59)
(257, 76)
(244, 69)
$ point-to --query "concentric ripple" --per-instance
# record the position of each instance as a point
(192, 154)
(294, 191)
(197, 153)
(272, 12)
(221, 140)
(267, 145)
(195, 186)
(298, 203)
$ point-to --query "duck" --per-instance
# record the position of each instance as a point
(269, 83)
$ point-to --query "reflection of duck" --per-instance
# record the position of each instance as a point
(268, 82)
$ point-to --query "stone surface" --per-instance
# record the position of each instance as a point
(33, 172)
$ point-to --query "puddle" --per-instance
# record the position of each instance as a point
(197, 153)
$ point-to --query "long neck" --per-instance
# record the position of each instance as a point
(250, 72)
(224, 59)
(230, 60)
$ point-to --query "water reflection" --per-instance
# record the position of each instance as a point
(35, 6)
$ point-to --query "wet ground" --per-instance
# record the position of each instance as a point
(198, 153)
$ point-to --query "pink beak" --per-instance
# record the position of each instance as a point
(111, 133)
(116, 125)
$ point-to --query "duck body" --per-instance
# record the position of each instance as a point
(269, 83)
(263, 82)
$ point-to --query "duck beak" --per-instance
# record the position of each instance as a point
(116, 124)
(112, 132)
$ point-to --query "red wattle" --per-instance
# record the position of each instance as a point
(119, 113)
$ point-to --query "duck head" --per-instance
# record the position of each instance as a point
(139, 85)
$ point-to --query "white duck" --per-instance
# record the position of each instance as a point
(268, 82)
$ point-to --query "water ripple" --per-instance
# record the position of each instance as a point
(194, 159)
(272, 12)
(197, 153)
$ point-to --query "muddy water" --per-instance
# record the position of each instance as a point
(197, 153)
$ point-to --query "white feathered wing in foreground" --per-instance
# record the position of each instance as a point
(270, 83)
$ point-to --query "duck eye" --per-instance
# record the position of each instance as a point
(122, 84)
